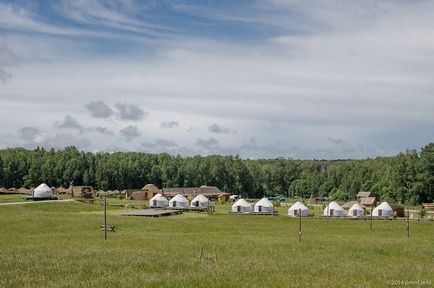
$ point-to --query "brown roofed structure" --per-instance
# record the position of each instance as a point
(368, 201)
(211, 192)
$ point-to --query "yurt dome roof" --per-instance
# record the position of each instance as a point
(335, 206)
(200, 198)
(264, 202)
(42, 191)
(179, 198)
(242, 202)
(298, 205)
(384, 206)
(356, 206)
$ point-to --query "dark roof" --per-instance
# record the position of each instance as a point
(348, 205)
(367, 201)
(363, 194)
(204, 190)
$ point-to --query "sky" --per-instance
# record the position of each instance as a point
(259, 79)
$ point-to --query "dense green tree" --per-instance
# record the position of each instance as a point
(405, 178)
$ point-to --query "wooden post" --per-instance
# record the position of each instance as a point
(328, 209)
(299, 225)
(408, 224)
(201, 251)
(105, 217)
(370, 225)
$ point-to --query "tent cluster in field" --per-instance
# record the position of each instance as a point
(179, 201)
(333, 209)
(262, 206)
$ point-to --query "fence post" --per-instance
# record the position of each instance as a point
(105, 217)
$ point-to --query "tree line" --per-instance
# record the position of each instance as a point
(406, 178)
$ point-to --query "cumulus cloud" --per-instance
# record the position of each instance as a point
(169, 124)
(7, 59)
(214, 128)
(69, 123)
(160, 144)
(99, 109)
(130, 132)
(101, 130)
(130, 112)
(209, 144)
(29, 133)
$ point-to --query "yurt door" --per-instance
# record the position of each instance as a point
(380, 212)
(154, 203)
(259, 208)
(196, 204)
(331, 212)
(238, 208)
(174, 203)
(295, 212)
(354, 212)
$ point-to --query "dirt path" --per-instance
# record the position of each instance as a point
(35, 202)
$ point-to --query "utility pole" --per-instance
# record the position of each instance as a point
(299, 225)
(371, 218)
(408, 224)
(105, 216)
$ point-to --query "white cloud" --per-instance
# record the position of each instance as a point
(362, 73)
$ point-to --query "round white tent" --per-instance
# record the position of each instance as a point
(333, 209)
(383, 210)
(264, 206)
(179, 201)
(241, 206)
(199, 201)
(158, 201)
(42, 191)
(297, 209)
(356, 211)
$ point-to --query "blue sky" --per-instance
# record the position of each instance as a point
(262, 79)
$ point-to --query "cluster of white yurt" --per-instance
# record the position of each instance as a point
(298, 209)
(241, 206)
(356, 211)
(158, 201)
(383, 210)
(264, 206)
(199, 201)
(333, 209)
(42, 191)
(179, 201)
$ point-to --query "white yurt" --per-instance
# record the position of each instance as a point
(264, 206)
(333, 209)
(356, 211)
(297, 209)
(241, 206)
(42, 191)
(383, 210)
(179, 201)
(158, 201)
(199, 201)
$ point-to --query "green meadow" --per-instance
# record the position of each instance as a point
(60, 245)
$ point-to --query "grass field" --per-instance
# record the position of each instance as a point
(60, 245)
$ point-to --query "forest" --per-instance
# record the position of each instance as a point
(406, 178)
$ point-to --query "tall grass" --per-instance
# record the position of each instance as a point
(60, 245)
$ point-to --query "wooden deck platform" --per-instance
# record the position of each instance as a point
(152, 212)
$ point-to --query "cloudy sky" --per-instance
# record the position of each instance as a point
(262, 79)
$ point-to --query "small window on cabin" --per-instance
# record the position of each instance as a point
(331, 212)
